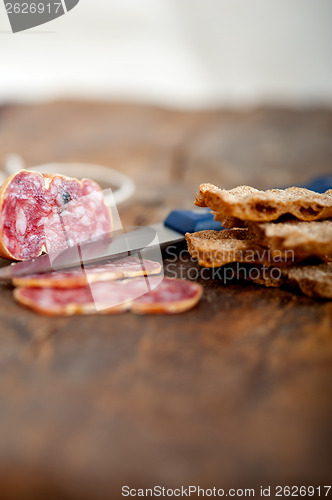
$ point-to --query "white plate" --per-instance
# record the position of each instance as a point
(118, 186)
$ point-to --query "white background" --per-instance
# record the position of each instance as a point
(187, 53)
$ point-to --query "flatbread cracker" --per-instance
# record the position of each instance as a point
(306, 239)
(313, 280)
(248, 203)
(217, 248)
(228, 221)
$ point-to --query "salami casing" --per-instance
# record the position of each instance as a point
(141, 295)
(130, 267)
(43, 213)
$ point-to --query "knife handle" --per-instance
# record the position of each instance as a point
(191, 221)
(320, 184)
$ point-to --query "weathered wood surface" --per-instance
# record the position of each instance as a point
(235, 393)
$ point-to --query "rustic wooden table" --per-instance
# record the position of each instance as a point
(236, 393)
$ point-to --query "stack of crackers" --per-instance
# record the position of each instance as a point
(279, 236)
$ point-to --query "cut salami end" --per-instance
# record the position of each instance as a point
(49, 212)
(141, 295)
(130, 267)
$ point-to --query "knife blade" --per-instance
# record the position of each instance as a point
(112, 247)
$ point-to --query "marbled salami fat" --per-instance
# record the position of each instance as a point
(43, 213)
(141, 295)
(130, 267)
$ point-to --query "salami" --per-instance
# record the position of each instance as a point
(71, 301)
(141, 295)
(170, 297)
(130, 267)
(43, 213)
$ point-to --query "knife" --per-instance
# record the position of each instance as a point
(118, 245)
(131, 242)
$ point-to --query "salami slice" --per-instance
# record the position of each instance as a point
(71, 301)
(130, 267)
(42, 213)
(170, 297)
(141, 295)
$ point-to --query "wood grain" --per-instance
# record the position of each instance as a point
(235, 393)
